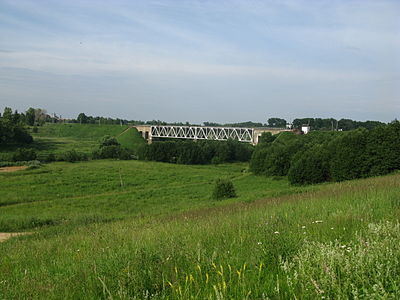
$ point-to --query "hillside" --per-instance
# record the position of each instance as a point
(59, 138)
(134, 230)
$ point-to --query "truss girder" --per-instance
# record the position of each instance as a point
(203, 133)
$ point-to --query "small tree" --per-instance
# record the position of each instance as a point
(223, 189)
(24, 154)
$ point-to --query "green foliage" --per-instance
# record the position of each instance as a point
(323, 156)
(196, 152)
(310, 166)
(348, 155)
(71, 193)
(24, 154)
(12, 130)
(109, 141)
(50, 157)
(74, 156)
(363, 268)
(272, 157)
(223, 188)
(383, 149)
(82, 118)
(266, 138)
(277, 122)
(30, 116)
(339, 242)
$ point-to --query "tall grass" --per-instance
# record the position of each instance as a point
(95, 191)
(338, 242)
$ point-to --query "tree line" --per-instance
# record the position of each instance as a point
(196, 152)
(13, 128)
(329, 156)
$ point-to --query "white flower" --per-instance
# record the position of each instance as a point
(276, 232)
(303, 227)
(259, 243)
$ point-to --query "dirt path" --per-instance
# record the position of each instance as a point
(6, 235)
(12, 169)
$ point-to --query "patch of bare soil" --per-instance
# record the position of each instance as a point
(12, 169)
(6, 235)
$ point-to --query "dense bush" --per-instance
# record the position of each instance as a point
(324, 156)
(12, 129)
(73, 156)
(347, 160)
(272, 157)
(110, 148)
(24, 154)
(310, 166)
(196, 152)
(383, 150)
(223, 189)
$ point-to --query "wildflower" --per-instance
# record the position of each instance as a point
(259, 243)
(276, 232)
(319, 221)
(332, 228)
(303, 227)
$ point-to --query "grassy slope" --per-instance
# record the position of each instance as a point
(92, 191)
(337, 241)
(130, 139)
(59, 138)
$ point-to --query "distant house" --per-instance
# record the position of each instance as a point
(305, 128)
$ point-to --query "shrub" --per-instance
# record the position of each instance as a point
(24, 154)
(73, 156)
(348, 155)
(50, 157)
(223, 189)
(216, 160)
(311, 166)
(109, 141)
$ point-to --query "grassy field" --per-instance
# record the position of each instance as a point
(59, 138)
(94, 191)
(110, 229)
(141, 230)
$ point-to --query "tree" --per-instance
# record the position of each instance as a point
(348, 155)
(30, 116)
(82, 118)
(7, 114)
(310, 166)
(276, 122)
(40, 116)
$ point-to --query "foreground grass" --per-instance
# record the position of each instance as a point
(339, 242)
(105, 190)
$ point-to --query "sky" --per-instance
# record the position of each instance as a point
(200, 60)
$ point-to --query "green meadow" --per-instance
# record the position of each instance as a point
(59, 138)
(111, 229)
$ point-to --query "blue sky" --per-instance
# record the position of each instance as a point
(196, 61)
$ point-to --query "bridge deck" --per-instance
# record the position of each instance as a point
(247, 135)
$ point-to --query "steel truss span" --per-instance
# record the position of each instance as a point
(203, 133)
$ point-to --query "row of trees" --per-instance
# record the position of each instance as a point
(200, 152)
(329, 156)
(272, 122)
(12, 128)
(333, 124)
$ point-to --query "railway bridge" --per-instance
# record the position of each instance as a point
(247, 135)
